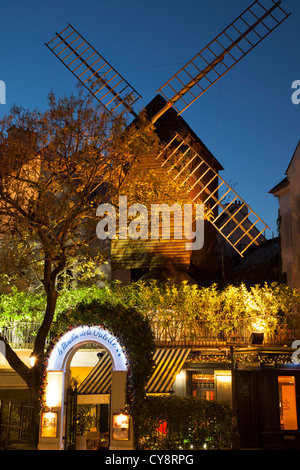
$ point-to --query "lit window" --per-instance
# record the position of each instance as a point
(203, 379)
(287, 403)
(203, 385)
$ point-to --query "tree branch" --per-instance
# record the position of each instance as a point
(16, 363)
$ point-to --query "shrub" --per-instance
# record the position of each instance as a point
(172, 422)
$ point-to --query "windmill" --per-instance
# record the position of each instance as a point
(117, 96)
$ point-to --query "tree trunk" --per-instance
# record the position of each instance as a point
(33, 375)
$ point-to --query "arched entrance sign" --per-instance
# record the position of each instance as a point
(84, 335)
(53, 426)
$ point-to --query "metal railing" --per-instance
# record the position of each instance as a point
(21, 335)
(219, 332)
(15, 425)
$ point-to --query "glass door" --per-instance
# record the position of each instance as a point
(287, 403)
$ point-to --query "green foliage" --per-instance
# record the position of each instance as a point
(30, 306)
(173, 306)
(126, 323)
(179, 306)
(189, 422)
(128, 311)
(84, 419)
(21, 306)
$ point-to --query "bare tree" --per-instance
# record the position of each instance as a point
(56, 167)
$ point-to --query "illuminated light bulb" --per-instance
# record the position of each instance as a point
(181, 375)
(32, 359)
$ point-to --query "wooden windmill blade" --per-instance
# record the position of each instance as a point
(94, 72)
(221, 54)
(237, 223)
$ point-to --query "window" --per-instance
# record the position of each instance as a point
(203, 385)
(287, 403)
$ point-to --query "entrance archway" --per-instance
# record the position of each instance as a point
(53, 425)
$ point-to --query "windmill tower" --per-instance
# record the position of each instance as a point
(182, 149)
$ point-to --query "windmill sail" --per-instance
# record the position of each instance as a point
(221, 54)
(181, 162)
(93, 71)
(184, 88)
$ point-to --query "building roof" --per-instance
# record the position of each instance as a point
(170, 122)
(263, 253)
(298, 147)
(283, 184)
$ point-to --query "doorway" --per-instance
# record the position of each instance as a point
(88, 400)
(53, 417)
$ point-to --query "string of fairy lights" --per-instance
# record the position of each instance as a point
(242, 358)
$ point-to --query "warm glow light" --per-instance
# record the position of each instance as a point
(120, 427)
(224, 378)
(259, 325)
(121, 420)
(32, 359)
(54, 389)
(287, 403)
(181, 375)
(49, 424)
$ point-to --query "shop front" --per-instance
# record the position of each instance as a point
(269, 407)
(54, 423)
(267, 396)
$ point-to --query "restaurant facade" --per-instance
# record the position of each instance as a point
(265, 377)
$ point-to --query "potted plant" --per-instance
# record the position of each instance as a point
(83, 424)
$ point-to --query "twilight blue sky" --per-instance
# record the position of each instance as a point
(247, 119)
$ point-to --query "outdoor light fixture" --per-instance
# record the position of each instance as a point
(32, 359)
(53, 390)
(256, 338)
(121, 426)
(181, 375)
(224, 379)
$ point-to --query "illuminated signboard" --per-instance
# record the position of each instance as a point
(120, 427)
(49, 424)
(84, 335)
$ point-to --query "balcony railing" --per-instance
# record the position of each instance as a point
(21, 335)
(200, 333)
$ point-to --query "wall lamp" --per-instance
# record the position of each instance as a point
(32, 359)
(256, 338)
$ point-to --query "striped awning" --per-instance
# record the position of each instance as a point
(168, 363)
(99, 379)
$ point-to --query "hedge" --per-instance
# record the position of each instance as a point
(173, 422)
